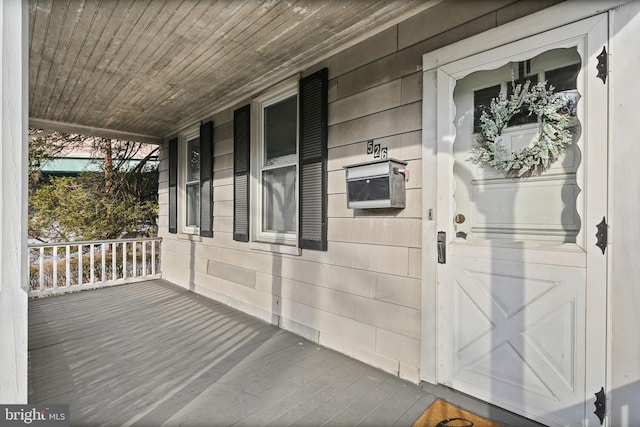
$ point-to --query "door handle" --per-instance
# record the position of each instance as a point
(442, 247)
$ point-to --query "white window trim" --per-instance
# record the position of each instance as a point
(260, 240)
(188, 134)
(275, 248)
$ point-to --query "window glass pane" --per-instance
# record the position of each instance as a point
(279, 200)
(193, 159)
(193, 205)
(280, 123)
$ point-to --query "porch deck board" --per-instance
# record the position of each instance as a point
(152, 353)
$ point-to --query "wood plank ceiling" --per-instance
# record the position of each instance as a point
(147, 68)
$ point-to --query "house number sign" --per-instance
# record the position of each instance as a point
(376, 150)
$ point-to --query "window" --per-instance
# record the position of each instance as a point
(280, 167)
(192, 184)
(277, 175)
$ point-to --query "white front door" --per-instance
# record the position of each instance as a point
(521, 297)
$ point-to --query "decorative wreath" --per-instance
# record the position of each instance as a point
(554, 137)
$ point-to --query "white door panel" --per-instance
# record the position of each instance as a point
(516, 329)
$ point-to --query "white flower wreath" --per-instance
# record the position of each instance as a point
(554, 133)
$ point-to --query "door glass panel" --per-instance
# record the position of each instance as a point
(522, 117)
(491, 206)
(481, 101)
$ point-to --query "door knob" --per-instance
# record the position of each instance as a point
(459, 219)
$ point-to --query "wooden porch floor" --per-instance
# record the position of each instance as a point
(153, 354)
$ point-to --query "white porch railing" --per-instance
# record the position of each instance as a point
(56, 268)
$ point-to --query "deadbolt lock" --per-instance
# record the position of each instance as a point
(459, 219)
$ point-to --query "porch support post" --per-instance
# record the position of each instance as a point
(13, 201)
(624, 203)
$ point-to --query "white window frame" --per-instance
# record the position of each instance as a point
(260, 239)
(188, 135)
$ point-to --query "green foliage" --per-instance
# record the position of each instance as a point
(120, 202)
(78, 208)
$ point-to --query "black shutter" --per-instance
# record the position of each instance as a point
(241, 173)
(173, 185)
(206, 179)
(313, 161)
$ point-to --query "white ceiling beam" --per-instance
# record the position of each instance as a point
(51, 125)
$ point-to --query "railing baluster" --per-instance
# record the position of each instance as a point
(41, 270)
(80, 259)
(55, 267)
(144, 258)
(67, 265)
(114, 261)
(92, 263)
(103, 255)
(124, 260)
(153, 258)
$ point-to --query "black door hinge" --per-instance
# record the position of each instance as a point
(603, 65)
(601, 405)
(602, 235)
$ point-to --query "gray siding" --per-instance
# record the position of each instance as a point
(362, 296)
